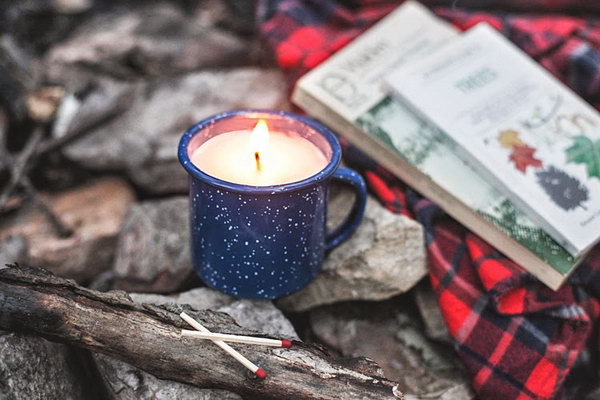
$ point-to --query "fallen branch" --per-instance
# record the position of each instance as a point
(19, 165)
(148, 337)
(57, 224)
(18, 176)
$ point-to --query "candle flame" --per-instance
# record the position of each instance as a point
(259, 140)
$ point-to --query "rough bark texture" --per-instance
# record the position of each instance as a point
(202, 298)
(126, 382)
(147, 337)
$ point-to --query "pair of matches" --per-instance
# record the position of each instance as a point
(220, 338)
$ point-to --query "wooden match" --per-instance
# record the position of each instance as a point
(237, 338)
(228, 349)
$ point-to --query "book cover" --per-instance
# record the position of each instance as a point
(345, 93)
(521, 128)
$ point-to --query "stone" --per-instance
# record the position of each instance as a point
(593, 395)
(73, 6)
(390, 335)
(202, 298)
(13, 249)
(383, 258)
(126, 382)
(18, 76)
(94, 212)
(145, 39)
(143, 140)
(84, 107)
(435, 326)
(153, 250)
(37, 24)
(35, 369)
(261, 316)
(43, 103)
(236, 15)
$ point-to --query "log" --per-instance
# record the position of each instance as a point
(34, 301)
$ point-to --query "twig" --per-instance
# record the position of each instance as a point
(147, 337)
(19, 165)
(18, 176)
(73, 134)
(58, 225)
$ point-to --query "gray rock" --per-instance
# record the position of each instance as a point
(153, 250)
(33, 368)
(383, 258)
(13, 249)
(236, 15)
(126, 382)
(392, 339)
(262, 316)
(72, 6)
(258, 315)
(593, 395)
(149, 38)
(19, 74)
(435, 327)
(83, 108)
(203, 298)
(143, 140)
(95, 213)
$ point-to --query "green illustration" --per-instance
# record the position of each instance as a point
(416, 147)
(587, 152)
(508, 218)
(433, 154)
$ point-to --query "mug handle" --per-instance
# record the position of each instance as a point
(343, 232)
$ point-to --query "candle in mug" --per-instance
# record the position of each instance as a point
(259, 157)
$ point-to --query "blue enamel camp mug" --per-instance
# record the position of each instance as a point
(264, 241)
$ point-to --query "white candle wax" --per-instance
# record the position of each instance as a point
(237, 157)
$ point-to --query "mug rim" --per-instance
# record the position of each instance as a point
(197, 173)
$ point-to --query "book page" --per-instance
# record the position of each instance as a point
(521, 128)
(350, 81)
(365, 105)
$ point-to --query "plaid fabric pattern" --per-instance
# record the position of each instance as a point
(517, 339)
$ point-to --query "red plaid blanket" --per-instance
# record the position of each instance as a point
(516, 338)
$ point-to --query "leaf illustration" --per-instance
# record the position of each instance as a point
(510, 138)
(523, 157)
(587, 152)
(564, 190)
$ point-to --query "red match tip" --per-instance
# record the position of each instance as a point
(286, 343)
(261, 373)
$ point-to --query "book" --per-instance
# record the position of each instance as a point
(522, 129)
(344, 92)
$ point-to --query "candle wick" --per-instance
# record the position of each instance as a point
(257, 158)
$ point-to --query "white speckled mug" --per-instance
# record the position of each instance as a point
(264, 241)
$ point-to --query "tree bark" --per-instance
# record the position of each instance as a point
(146, 336)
